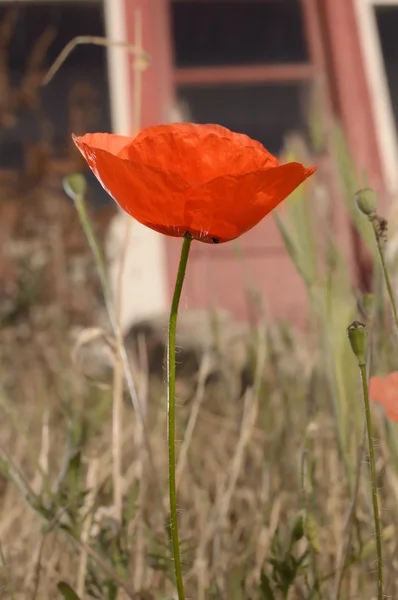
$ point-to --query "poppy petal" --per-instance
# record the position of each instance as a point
(201, 132)
(385, 393)
(392, 413)
(151, 196)
(103, 141)
(377, 389)
(392, 380)
(198, 153)
(227, 207)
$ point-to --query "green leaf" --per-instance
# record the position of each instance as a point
(311, 532)
(297, 529)
(265, 587)
(67, 591)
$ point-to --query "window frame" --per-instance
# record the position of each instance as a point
(259, 73)
(265, 73)
(379, 90)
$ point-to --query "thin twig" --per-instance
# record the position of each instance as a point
(125, 585)
(204, 371)
(375, 222)
(92, 480)
(117, 417)
(102, 273)
(137, 72)
(34, 579)
(6, 571)
(250, 411)
(97, 41)
(139, 545)
(342, 553)
(39, 481)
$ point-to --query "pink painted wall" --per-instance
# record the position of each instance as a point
(216, 275)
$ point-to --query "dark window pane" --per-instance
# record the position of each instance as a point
(237, 32)
(264, 112)
(77, 98)
(387, 22)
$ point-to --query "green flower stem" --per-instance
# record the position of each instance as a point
(362, 368)
(385, 271)
(171, 402)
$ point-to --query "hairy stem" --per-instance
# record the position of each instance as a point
(171, 402)
(362, 368)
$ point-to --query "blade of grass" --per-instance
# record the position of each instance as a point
(10, 586)
(75, 187)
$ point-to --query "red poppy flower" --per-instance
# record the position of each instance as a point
(199, 179)
(385, 392)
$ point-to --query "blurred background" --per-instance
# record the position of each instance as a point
(265, 374)
(268, 68)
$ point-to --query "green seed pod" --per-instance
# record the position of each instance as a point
(75, 186)
(358, 337)
(366, 201)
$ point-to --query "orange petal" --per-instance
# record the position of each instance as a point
(198, 153)
(227, 207)
(392, 413)
(103, 141)
(377, 389)
(147, 194)
(158, 178)
(392, 380)
(200, 132)
(385, 392)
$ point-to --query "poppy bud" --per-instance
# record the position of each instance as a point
(358, 337)
(366, 201)
(75, 186)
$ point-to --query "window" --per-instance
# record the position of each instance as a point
(41, 119)
(387, 25)
(265, 112)
(236, 33)
(243, 64)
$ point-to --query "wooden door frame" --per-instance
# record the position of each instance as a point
(351, 94)
(118, 67)
(144, 281)
(379, 89)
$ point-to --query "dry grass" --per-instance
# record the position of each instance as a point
(239, 480)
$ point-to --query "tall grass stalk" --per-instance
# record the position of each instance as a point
(358, 338)
(324, 271)
(6, 572)
(378, 238)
